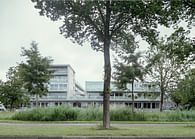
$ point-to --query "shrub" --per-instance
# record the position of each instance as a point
(67, 113)
(61, 113)
(90, 114)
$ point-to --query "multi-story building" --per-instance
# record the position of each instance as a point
(147, 95)
(63, 89)
(62, 85)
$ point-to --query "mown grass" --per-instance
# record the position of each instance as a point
(45, 130)
(66, 113)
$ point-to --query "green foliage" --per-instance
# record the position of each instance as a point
(90, 114)
(67, 113)
(12, 95)
(184, 94)
(81, 25)
(63, 113)
(6, 115)
(163, 69)
(35, 72)
(180, 46)
(129, 70)
(125, 114)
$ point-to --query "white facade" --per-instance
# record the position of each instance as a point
(62, 85)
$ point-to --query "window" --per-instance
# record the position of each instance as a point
(62, 87)
(59, 79)
(58, 87)
(53, 87)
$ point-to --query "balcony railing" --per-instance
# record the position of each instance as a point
(94, 98)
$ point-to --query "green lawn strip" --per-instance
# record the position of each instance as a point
(43, 130)
(113, 122)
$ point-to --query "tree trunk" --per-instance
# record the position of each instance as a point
(11, 106)
(106, 101)
(161, 97)
(132, 97)
(161, 101)
(107, 68)
(37, 100)
(161, 89)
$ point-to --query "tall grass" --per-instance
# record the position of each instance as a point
(62, 113)
(90, 114)
(67, 113)
(6, 115)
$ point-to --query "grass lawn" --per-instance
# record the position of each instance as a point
(44, 130)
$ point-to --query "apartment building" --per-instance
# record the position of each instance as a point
(64, 90)
(62, 86)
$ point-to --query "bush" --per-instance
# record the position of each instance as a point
(90, 114)
(67, 113)
(61, 113)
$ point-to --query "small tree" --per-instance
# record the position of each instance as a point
(128, 71)
(12, 93)
(164, 70)
(35, 72)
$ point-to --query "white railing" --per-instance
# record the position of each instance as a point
(93, 98)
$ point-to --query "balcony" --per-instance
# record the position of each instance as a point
(93, 98)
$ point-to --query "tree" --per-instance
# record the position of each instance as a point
(35, 73)
(128, 71)
(12, 95)
(163, 70)
(184, 93)
(106, 23)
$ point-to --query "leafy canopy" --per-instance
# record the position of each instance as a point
(35, 73)
(180, 47)
(12, 93)
(129, 70)
(89, 20)
(184, 93)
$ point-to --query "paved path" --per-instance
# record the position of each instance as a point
(95, 124)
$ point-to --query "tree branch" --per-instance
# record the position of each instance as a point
(119, 26)
(101, 14)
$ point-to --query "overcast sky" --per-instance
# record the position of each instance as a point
(20, 24)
